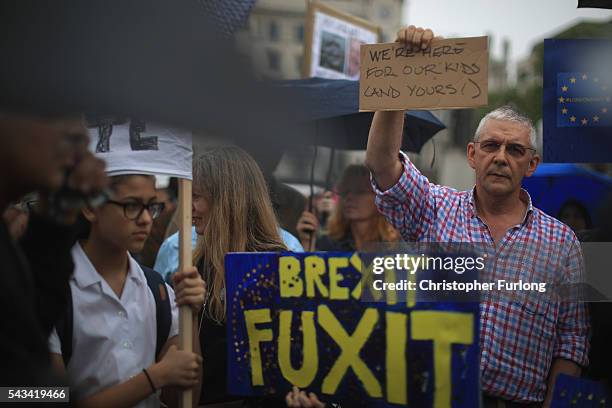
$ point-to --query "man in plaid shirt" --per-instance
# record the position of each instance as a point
(524, 345)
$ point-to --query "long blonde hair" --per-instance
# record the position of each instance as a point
(241, 217)
(338, 227)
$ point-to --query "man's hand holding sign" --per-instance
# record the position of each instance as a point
(391, 123)
(422, 72)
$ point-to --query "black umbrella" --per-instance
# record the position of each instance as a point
(607, 4)
(331, 118)
(155, 59)
(229, 15)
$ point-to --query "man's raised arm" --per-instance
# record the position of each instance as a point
(385, 139)
(384, 143)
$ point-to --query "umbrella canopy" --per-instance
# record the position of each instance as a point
(607, 4)
(331, 117)
(230, 15)
(553, 185)
(155, 59)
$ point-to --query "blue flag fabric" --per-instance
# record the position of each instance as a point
(577, 107)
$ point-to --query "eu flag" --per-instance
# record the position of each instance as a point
(577, 107)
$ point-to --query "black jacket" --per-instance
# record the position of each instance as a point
(34, 281)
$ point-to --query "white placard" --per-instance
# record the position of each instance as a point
(335, 47)
(143, 148)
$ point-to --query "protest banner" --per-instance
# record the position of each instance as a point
(573, 391)
(332, 42)
(577, 104)
(451, 73)
(300, 319)
(135, 146)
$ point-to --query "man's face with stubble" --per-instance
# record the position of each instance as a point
(500, 172)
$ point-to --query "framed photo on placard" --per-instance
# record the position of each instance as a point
(333, 39)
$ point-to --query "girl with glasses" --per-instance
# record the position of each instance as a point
(117, 356)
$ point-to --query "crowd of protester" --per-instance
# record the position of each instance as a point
(90, 259)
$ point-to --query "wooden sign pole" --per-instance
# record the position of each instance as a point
(185, 260)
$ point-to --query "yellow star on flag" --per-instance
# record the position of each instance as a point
(595, 118)
(584, 121)
(572, 118)
(584, 76)
(564, 111)
(604, 110)
(561, 99)
(564, 88)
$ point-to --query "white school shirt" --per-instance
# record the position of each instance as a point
(113, 338)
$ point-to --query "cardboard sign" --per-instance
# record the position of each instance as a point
(451, 73)
(301, 319)
(133, 146)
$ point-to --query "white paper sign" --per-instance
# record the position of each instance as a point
(143, 148)
(335, 47)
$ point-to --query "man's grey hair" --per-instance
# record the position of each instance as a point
(509, 114)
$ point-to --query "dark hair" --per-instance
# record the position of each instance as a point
(581, 208)
(115, 181)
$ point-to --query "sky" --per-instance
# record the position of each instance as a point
(523, 22)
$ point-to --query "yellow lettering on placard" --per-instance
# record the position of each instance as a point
(252, 318)
(314, 269)
(350, 347)
(396, 357)
(291, 284)
(367, 277)
(390, 295)
(411, 294)
(444, 329)
(310, 358)
(337, 292)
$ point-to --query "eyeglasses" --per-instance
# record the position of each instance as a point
(25, 206)
(513, 149)
(133, 211)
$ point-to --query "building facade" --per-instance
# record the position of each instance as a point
(274, 35)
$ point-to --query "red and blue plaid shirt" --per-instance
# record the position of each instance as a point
(518, 340)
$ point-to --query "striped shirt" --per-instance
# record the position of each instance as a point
(518, 340)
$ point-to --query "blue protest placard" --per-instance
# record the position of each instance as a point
(577, 107)
(573, 392)
(300, 319)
